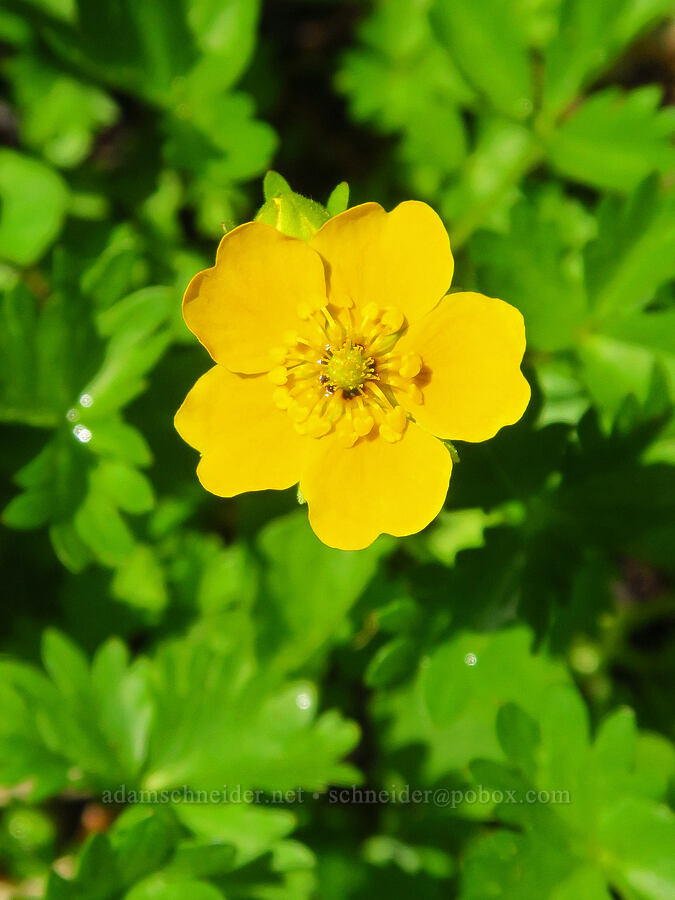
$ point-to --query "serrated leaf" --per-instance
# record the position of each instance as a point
(634, 252)
(486, 42)
(614, 139)
(531, 268)
(588, 39)
(503, 153)
(299, 566)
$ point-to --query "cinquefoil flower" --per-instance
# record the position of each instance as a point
(341, 366)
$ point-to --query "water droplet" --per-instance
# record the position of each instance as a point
(471, 659)
(72, 415)
(303, 700)
(86, 400)
(82, 434)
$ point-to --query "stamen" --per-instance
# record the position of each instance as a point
(340, 374)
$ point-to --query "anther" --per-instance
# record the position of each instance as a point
(278, 375)
(363, 423)
(392, 319)
(410, 365)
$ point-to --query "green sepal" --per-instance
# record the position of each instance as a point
(290, 213)
(274, 185)
(453, 451)
(339, 199)
(301, 499)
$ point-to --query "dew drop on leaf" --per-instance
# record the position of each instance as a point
(82, 434)
(303, 700)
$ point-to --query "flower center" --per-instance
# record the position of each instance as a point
(340, 373)
(347, 368)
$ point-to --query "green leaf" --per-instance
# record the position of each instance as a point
(218, 142)
(634, 252)
(637, 838)
(589, 37)
(226, 34)
(487, 44)
(113, 437)
(600, 832)
(633, 256)
(392, 662)
(503, 153)
(69, 547)
(585, 883)
(252, 829)
(402, 80)
(33, 204)
(129, 356)
(29, 510)
(239, 727)
(103, 530)
(308, 588)
(123, 485)
(614, 139)
(196, 859)
(54, 481)
(65, 663)
(399, 615)
(133, 46)
(59, 114)
(143, 847)
(462, 700)
(139, 581)
(531, 267)
(180, 890)
(96, 859)
(138, 314)
(518, 735)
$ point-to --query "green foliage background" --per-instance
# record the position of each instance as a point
(155, 637)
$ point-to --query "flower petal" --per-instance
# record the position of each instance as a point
(400, 259)
(243, 306)
(247, 444)
(471, 347)
(375, 487)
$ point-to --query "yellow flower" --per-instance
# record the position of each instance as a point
(339, 366)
